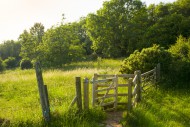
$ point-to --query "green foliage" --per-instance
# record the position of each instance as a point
(10, 48)
(181, 60)
(120, 27)
(166, 30)
(116, 29)
(2, 65)
(174, 62)
(25, 64)
(62, 45)
(30, 42)
(181, 48)
(146, 60)
(10, 62)
(161, 108)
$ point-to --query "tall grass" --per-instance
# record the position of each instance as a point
(161, 108)
(19, 97)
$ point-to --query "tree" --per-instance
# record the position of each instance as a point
(30, 42)
(61, 45)
(10, 48)
(10, 62)
(118, 27)
(165, 30)
(2, 65)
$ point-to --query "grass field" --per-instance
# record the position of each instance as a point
(19, 97)
(20, 105)
(161, 108)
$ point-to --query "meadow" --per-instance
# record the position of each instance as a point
(20, 105)
(19, 97)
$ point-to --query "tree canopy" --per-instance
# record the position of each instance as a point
(116, 30)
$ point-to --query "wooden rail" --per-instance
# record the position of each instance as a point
(105, 88)
(137, 83)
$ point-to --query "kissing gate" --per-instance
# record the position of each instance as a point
(107, 90)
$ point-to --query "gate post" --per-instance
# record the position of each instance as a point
(94, 88)
(78, 93)
(42, 92)
(130, 94)
(138, 73)
(116, 91)
(86, 93)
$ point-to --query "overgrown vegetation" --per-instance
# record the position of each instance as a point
(175, 63)
(161, 108)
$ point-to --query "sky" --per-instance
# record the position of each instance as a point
(18, 15)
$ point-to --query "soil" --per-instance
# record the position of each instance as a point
(113, 119)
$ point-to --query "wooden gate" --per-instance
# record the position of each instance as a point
(108, 92)
(105, 87)
(105, 90)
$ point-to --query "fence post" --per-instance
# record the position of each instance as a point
(86, 93)
(116, 91)
(78, 93)
(158, 72)
(94, 88)
(45, 112)
(46, 99)
(138, 73)
(130, 94)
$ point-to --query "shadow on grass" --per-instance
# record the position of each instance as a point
(160, 109)
(71, 118)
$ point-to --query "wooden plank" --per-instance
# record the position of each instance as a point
(116, 91)
(94, 88)
(130, 95)
(41, 90)
(108, 89)
(135, 79)
(104, 80)
(134, 91)
(86, 93)
(78, 93)
(119, 75)
(73, 101)
(147, 73)
(107, 96)
(126, 75)
(138, 73)
(46, 99)
(107, 85)
(105, 89)
(105, 76)
(119, 94)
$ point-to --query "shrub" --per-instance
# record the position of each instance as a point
(146, 60)
(10, 62)
(180, 67)
(26, 64)
(174, 62)
(2, 65)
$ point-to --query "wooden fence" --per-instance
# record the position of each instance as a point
(43, 92)
(105, 88)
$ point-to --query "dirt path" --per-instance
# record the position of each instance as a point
(113, 119)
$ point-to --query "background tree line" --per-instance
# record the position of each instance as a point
(116, 30)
